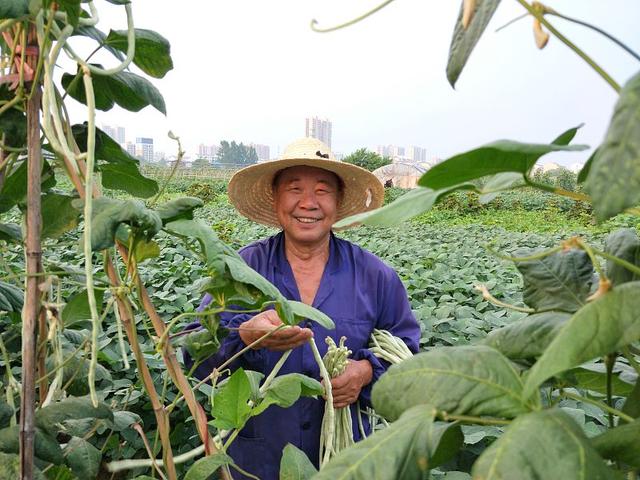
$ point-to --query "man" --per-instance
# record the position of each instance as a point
(305, 193)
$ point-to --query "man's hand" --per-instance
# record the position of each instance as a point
(285, 339)
(346, 388)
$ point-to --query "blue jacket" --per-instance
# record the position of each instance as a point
(359, 292)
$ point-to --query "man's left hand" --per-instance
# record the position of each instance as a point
(347, 386)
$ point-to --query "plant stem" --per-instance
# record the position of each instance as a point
(173, 170)
(530, 258)
(631, 359)
(610, 361)
(603, 406)
(558, 191)
(472, 420)
(350, 22)
(32, 305)
(623, 263)
(540, 16)
(487, 296)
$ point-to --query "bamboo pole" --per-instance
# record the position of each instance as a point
(32, 305)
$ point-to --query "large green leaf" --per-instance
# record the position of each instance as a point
(106, 148)
(496, 157)
(207, 466)
(529, 337)
(76, 370)
(152, 54)
(295, 465)
(77, 308)
(46, 446)
(58, 215)
(596, 381)
(285, 390)
(128, 90)
(546, 444)
(6, 413)
(303, 311)
(500, 182)
(415, 202)
(467, 380)
(620, 444)
(109, 214)
(464, 40)
(584, 171)
(14, 8)
(624, 244)
(561, 281)
(230, 409)
(179, 208)
(13, 124)
(14, 189)
(632, 403)
(10, 233)
(600, 327)
(71, 408)
(614, 177)
(408, 448)
(83, 458)
(127, 178)
(11, 297)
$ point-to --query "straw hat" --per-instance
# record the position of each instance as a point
(250, 189)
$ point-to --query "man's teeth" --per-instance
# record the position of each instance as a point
(306, 220)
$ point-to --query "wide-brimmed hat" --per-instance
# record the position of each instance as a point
(251, 192)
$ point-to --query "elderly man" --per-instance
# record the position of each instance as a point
(305, 193)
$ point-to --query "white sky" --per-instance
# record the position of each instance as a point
(252, 70)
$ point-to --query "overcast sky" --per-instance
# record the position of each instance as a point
(252, 70)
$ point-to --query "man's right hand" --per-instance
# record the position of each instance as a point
(284, 339)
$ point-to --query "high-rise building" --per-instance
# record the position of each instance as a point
(262, 151)
(319, 128)
(144, 149)
(116, 132)
(130, 147)
(417, 154)
(207, 152)
(391, 151)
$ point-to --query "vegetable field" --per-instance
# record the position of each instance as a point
(526, 288)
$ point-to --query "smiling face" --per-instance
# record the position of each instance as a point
(306, 203)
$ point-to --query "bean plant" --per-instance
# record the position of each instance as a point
(55, 430)
(580, 324)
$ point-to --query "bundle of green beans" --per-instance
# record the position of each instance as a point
(385, 345)
(341, 429)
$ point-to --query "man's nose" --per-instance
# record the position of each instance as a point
(309, 200)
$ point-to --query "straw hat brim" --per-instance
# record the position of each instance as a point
(250, 189)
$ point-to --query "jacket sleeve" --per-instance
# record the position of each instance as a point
(395, 316)
(230, 345)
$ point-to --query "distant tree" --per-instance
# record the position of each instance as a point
(232, 153)
(367, 159)
(565, 178)
(200, 163)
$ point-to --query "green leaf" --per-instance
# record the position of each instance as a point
(99, 36)
(546, 444)
(584, 171)
(624, 244)
(529, 337)
(11, 298)
(498, 183)
(76, 371)
(496, 157)
(600, 327)
(46, 446)
(77, 308)
(71, 408)
(6, 413)
(415, 202)
(466, 380)
(295, 465)
(179, 208)
(128, 90)
(14, 190)
(408, 448)
(596, 381)
(58, 215)
(201, 344)
(285, 390)
(152, 54)
(13, 124)
(106, 148)
(207, 466)
(464, 40)
(109, 213)
(230, 409)
(614, 178)
(303, 311)
(632, 403)
(83, 458)
(14, 9)
(10, 233)
(127, 178)
(143, 250)
(620, 444)
(561, 281)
